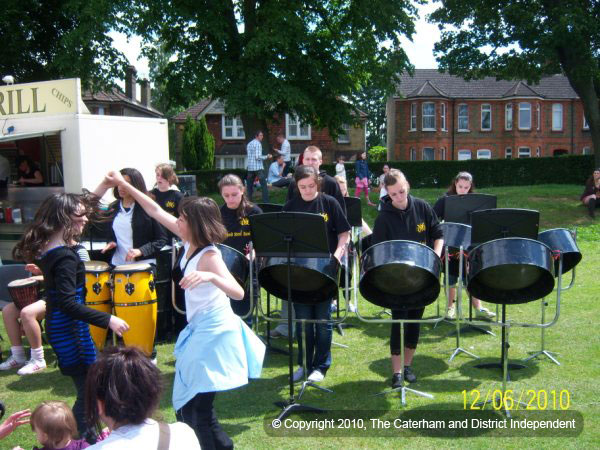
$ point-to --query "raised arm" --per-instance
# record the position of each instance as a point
(152, 208)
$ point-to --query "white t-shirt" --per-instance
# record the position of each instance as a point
(340, 170)
(124, 234)
(145, 437)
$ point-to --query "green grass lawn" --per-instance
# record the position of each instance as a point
(363, 368)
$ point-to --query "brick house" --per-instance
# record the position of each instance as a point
(230, 141)
(438, 116)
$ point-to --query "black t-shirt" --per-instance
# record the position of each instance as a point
(328, 186)
(168, 200)
(238, 230)
(329, 208)
(440, 207)
(33, 168)
(417, 223)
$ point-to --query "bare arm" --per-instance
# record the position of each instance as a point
(102, 188)
(438, 244)
(343, 239)
(211, 268)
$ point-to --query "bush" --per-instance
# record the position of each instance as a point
(377, 154)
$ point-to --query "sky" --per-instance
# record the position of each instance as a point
(420, 51)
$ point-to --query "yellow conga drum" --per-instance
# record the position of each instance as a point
(134, 298)
(97, 295)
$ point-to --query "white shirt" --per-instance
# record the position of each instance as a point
(286, 151)
(145, 437)
(340, 170)
(124, 234)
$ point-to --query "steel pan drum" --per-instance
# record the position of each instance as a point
(561, 240)
(314, 280)
(400, 275)
(236, 262)
(510, 271)
(455, 235)
(364, 244)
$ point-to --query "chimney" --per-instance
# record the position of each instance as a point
(145, 85)
(130, 82)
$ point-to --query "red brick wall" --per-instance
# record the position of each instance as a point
(572, 137)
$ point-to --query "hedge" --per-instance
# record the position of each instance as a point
(572, 169)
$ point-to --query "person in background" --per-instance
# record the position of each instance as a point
(340, 168)
(591, 193)
(28, 173)
(284, 150)
(382, 190)
(255, 167)
(462, 184)
(404, 217)
(276, 177)
(166, 193)
(4, 172)
(235, 213)
(14, 421)
(362, 176)
(343, 183)
(127, 403)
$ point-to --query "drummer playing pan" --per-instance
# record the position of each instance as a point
(462, 184)
(235, 214)
(404, 217)
(318, 336)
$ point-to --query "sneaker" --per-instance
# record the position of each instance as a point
(451, 313)
(316, 376)
(485, 313)
(298, 375)
(274, 334)
(409, 375)
(397, 381)
(32, 366)
(11, 363)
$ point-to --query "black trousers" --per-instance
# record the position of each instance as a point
(199, 414)
(411, 330)
(85, 431)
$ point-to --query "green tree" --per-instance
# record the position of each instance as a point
(205, 145)
(265, 58)
(514, 39)
(50, 39)
(371, 100)
(189, 154)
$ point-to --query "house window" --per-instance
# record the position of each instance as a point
(524, 116)
(508, 153)
(240, 162)
(428, 154)
(463, 118)
(428, 116)
(586, 151)
(296, 129)
(557, 117)
(227, 163)
(344, 137)
(232, 128)
(508, 116)
(586, 125)
(413, 116)
(101, 110)
(443, 116)
(524, 152)
(486, 117)
(538, 115)
(484, 154)
(464, 155)
(413, 154)
(443, 154)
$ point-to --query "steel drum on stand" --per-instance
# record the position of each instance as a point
(561, 240)
(455, 236)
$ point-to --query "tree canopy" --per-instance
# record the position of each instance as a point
(515, 39)
(268, 57)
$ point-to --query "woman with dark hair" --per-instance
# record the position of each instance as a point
(166, 193)
(235, 213)
(216, 351)
(362, 176)
(48, 241)
(123, 390)
(319, 335)
(591, 193)
(462, 184)
(28, 173)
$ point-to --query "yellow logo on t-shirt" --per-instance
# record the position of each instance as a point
(244, 221)
(325, 216)
(421, 227)
(170, 204)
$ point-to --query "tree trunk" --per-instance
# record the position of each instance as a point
(586, 91)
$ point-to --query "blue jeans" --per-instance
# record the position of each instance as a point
(318, 336)
(263, 184)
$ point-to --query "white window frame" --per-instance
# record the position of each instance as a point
(464, 152)
(236, 127)
(443, 116)
(443, 154)
(459, 117)
(428, 116)
(292, 120)
(508, 153)
(432, 154)
(413, 117)
(345, 137)
(484, 153)
(586, 125)
(524, 152)
(231, 161)
(538, 115)
(557, 117)
(524, 106)
(412, 155)
(586, 151)
(240, 162)
(508, 116)
(488, 109)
